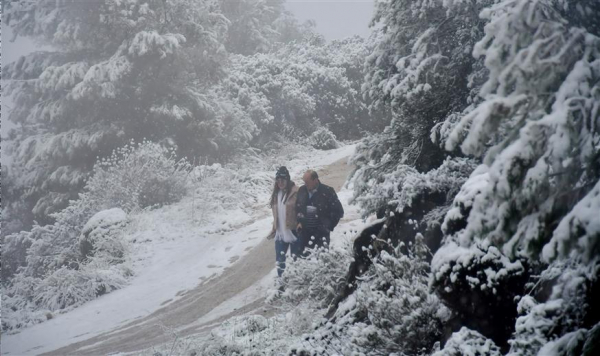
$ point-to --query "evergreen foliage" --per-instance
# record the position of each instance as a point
(315, 279)
(531, 197)
(119, 70)
(482, 161)
(298, 88)
(83, 255)
(391, 312)
(323, 139)
(520, 243)
(422, 49)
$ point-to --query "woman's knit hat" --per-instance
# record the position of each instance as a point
(282, 172)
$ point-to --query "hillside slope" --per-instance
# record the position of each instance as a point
(190, 275)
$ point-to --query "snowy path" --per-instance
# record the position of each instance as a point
(183, 314)
(234, 290)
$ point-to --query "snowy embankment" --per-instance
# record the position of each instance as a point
(177, 249)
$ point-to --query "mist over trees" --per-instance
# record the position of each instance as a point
(479, 155)
(130, 94)
(258, 26)
(303, 86)
(155, 70)
(121, 70)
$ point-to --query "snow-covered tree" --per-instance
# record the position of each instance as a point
(536, 130)
(119, 70)
(527, 106)
(422, 71)
(82, 255)
(534, 200)
(300, 87)
(250, 30)
(392, 311)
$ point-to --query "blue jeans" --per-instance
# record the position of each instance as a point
(281, 249)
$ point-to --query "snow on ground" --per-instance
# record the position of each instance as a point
(174, 249)
(276, 338)
(220, 325)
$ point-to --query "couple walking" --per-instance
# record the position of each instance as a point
(303, 217)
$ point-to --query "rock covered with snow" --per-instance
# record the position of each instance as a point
(104, 220)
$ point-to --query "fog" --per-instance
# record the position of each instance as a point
(335, 19)
(279, 178)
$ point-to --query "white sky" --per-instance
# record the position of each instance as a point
(335, 19)
(11, 51)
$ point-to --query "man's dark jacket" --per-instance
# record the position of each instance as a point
(329, 208)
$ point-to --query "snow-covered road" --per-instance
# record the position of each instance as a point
(186, 282)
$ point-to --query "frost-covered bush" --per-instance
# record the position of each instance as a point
(99, 236)
(69, 272)
(17, 214)
(220, 347)
(466, 342)
(220, 189)
(120, 181)
(138, 176)
(82, 255)
(564, 321)
(30, 300)
(301, 87)
(391, 312)
(244, 326)
(247, 335)
(581, 342)
(323, 139)
(14, 252)
(70, 287)
(402, 315)
(316, 279)
(398, 189)
(482, 283)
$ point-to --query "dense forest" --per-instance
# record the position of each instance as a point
(479, 154)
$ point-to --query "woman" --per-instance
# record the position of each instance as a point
(283, 204)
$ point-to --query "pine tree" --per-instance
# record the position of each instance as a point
(421, 72)
(533, 202)
(300, 87)
(119, 70)
(536, 129)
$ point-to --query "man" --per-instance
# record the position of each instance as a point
(319, 211)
